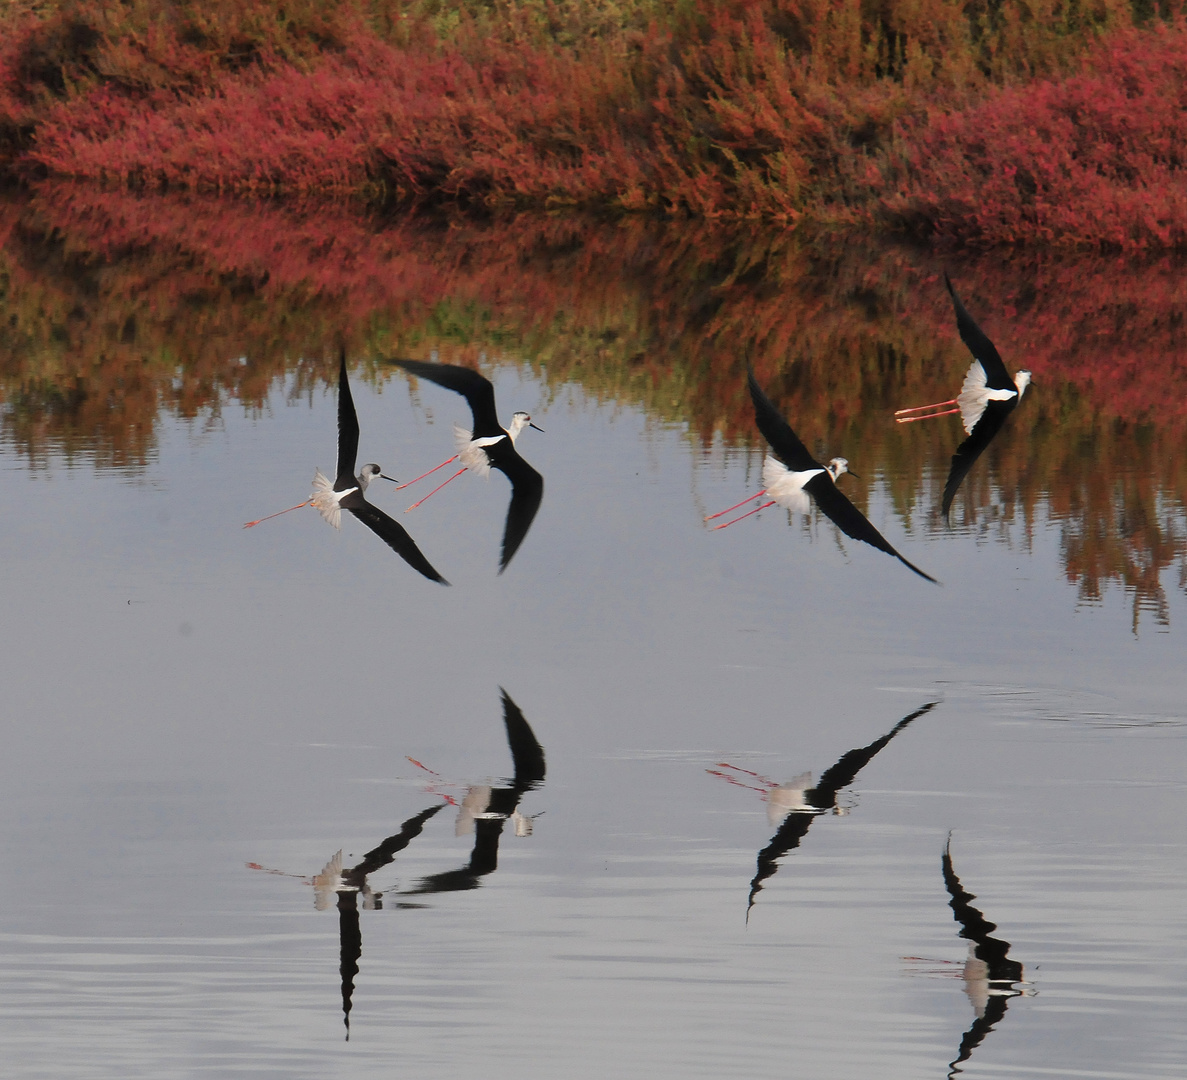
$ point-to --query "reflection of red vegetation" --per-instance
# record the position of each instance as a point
(138, 304)
(916, 113)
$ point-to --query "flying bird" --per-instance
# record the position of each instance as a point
(347, 490)
(489, 445)
(986, 399)
(792, 474)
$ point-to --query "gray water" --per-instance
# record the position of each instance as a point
(188, 705)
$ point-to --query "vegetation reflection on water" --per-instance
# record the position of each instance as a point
(118, 307)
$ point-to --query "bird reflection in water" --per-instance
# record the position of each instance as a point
(334, 884)
(795, 805)
(487, 446)
(485, 809)
(990, 977)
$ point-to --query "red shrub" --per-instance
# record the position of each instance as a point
(1097, 159)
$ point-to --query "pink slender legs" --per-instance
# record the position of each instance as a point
(722, 513)
(429, 473)
(249, 524)
(438, 487)
(903, 416)
(745, 515)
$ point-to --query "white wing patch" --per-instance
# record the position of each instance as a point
(326, 499)
(470, 451)
(975, 395)
(789, 797)
(787, 487)
(328, 882)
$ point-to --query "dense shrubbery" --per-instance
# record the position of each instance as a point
(977, 123)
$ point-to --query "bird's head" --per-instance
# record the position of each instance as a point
(371, 472)
(837, 467)
(1022, 381)
(518, 422)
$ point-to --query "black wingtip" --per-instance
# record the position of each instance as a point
(912, 566)
(948, 282)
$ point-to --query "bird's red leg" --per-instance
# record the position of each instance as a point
(745, 515)
(400, 487)
(736, 505)
(927, 416)
(436, 489)
(249, 524)
(903, 416)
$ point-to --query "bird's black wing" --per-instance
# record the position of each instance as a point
(993, 951)
(844, 772)
(976, 928)
(475, 388)
(350, 936)
(995, 1009)
(484, 859)
(974, 446)
(379, 857)
(348, 431)
(794, 828)
(391, 533)
(527, 492)
(777, 431)
(526, 751)
(851, 521)
(996, 375)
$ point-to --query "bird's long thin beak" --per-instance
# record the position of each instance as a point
(538, 428)
(384, 476)
(850, 472)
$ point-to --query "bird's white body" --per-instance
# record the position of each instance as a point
(328, 883)
(329, 502)
(471, 452)
(975, 394)
(788, 798)
(786, 486)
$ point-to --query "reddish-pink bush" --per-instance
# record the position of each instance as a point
(1098, 159)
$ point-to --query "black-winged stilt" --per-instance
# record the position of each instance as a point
(346, 492)
(488, 446)
(485, 809)
(987, 397)
(990, 977)
(792, 474)
(795, 805)
(345, 887)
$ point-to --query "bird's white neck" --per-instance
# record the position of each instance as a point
(518, 422)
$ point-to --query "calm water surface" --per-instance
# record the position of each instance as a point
(198, 717)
